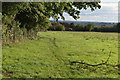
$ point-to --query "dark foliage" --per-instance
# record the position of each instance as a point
(56, 27)
(90, 27)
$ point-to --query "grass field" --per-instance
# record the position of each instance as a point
(51, 54)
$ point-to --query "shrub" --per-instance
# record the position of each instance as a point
(89, 27)
(16, 34)
(106, 29)
(117, 27)
(56, 27)
(51, 28)
(79, 28)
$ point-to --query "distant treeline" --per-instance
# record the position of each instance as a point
(78, 27)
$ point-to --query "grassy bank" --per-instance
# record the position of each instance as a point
(51, 54)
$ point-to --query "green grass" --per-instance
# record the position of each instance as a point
(51, 54)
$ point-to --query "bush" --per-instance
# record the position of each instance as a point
(79, 28)
(89, 27)
(16, 34)
(117, 27)
(56, 27)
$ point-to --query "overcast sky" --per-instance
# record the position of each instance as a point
(107, 13)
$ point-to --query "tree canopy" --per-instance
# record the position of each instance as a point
(22, 20)
(37, 14)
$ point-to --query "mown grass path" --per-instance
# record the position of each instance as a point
(51, 54)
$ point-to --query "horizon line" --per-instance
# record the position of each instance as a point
(88, 21)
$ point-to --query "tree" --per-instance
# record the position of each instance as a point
(89, 27)
(118, 27)
(33, 12)
(34, 16)
(56, 9)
